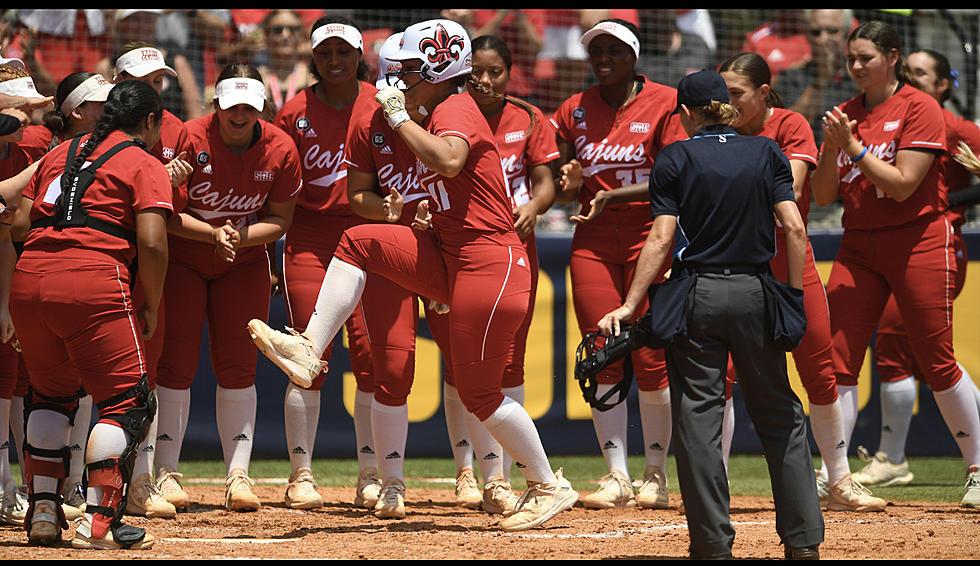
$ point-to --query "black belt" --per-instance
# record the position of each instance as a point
(727, 269)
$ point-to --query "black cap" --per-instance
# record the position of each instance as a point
(700, 88)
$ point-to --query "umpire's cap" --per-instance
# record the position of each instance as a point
(700, 88)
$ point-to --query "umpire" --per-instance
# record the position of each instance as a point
(722, 189)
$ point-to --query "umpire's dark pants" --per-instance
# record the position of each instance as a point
(728, 314)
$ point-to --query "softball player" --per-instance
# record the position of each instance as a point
(96, 343)
(613, 131)
(879, 157)
(474, 262)
(893, 357)
(246, 173)
(317, 120)
(760, 113)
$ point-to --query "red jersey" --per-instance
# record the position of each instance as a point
(18, 158)
(173, 138)
(129, 182)
(36, 140)
(909, 119)
(320, 131)
(475, 200)
(374, 148)
(518, 151)
(795, 137)
(617, 146)
(957, 177)
(779, 44)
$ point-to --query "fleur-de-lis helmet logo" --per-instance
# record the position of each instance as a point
(442, 48)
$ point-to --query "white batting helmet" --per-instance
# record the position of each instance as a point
(388, 69)
(443, 46)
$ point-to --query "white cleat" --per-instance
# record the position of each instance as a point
(292, 352)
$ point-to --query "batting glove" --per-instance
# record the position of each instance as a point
(392, 101)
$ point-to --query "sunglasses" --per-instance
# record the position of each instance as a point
(277, 30)
(815, 32)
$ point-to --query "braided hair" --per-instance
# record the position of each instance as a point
(494, 43)
(128, 105)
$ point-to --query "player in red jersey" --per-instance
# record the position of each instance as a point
(761, 114)
(526, 153)
(893, 357)
(76, 322)
(880, 157)
(472, 261)
(246, 173)
(317, 120)
(613, 131)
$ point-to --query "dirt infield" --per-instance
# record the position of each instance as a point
(436, 529)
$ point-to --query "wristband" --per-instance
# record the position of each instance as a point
(860, 155)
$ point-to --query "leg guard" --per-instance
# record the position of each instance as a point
(33, 466)
(132, 411)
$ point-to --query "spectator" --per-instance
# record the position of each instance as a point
(782, 42)
(823, 81)
(562, 59)
(286, 68)
(699, 23)
(673, 53)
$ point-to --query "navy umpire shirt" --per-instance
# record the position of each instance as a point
(722, 188)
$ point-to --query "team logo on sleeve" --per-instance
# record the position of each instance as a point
(578, 113)
(302, 123)
(378, 139)
(203, 158)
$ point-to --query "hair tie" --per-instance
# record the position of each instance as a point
(956, 75)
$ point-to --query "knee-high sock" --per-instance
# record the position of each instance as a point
(390, 427)
(235, 412)
(516, 393)
(487, 450)
(897, 404)
(972, 384)
(301, 411)
(848, 397)
(17, 431)
(78, 441)
(610, 430)
(4, 442)
(727, 431)
(459, 438)
(339, 294)
(513, 428)
(106, 441)
(827, 426)
(367, 456)
(48, 430)
(655, 416)
(146, 450)
(174, 407)
(959, 410)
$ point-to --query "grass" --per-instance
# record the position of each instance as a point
(936, 479)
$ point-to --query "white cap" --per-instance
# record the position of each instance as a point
(22, 86)
(240, 90)
(92, 89)
(618, 31)
(388, 67)
(13, 62)
(343, 31)
(142, 61)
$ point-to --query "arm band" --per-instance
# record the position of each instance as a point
(860, 155)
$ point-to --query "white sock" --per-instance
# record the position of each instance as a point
(487, 450)
(106, 441)
(897, 404)
(848, 397)
(364, 437)
(655, 416)
(301, 411)
(959, 410)
(17, 431)
(459, 439)
(173, 409)
(47, 430)
(827, 425)
(235, 413)
(390, 427)
(516, 393)
(727, 431)
(610, 430)
(972, 384)
(513, 428)
(4, 442)
(146, 449)
(79, 440)
(339, 294)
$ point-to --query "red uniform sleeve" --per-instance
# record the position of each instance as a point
(541, 146)
(289, 177)
(151, 187)
(925, 127)
(796, 139)
(357, 149)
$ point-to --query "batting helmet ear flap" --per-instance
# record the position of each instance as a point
(590, 359)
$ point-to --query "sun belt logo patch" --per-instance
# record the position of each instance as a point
(441, 47)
